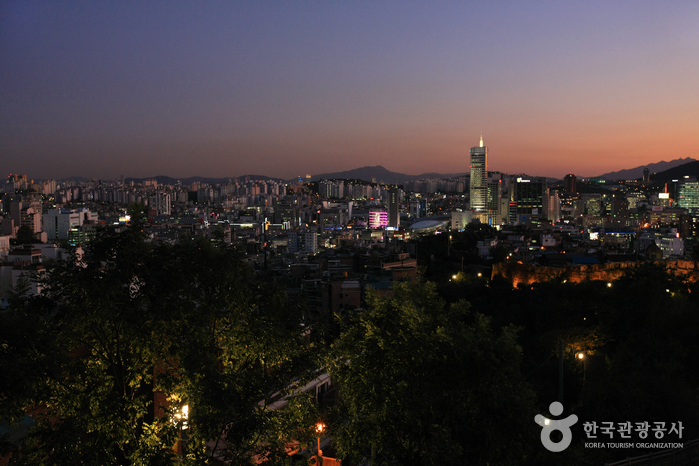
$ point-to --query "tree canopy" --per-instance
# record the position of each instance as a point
(126, 336)
(25, 235)
(123, 338)
(426, 383)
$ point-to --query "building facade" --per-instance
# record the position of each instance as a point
(479, 178)
(688, 196)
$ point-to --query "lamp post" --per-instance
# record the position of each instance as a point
(319, 428)
(560, 371)
(581, 356)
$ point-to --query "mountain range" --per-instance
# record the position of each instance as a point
(690, 169)
(634, 173)
(380, 173)
(659, 171)
(168, 180)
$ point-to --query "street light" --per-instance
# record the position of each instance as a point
(181, 416)
(560, 371)
(320, 427)
(581, 356)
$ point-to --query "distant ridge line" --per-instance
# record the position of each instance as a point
(637, 172)
(382, 174)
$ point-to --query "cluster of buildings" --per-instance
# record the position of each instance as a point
(329, 242)
(497, 199)
(284, 223)
(623, 217)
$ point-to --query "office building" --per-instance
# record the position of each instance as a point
(393, 207)
(494, 198)
(527, 200)
(479, 178)
(459, 220)
(378, 218)
(688, 196)
(58, 222)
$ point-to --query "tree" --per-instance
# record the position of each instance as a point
(499, 253)
(25, 235)
(695, 252)
(639, 334)
(132, 332)
(423, 383)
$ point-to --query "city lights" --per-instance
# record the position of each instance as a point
(255, 207)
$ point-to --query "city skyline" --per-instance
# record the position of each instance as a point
(218, 90)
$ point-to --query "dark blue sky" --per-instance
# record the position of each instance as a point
(286, 88)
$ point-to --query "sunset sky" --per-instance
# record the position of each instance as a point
(143, 88)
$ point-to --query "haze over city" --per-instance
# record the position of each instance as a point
(283, 89)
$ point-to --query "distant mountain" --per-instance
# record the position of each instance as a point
(380, 174)
(168, 180)
(78, 179)
(633, 173)
(677, 173)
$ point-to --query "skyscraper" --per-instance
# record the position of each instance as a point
(479, 178)
(527, 200)
(688, 196)
(571, 183)
(393, 205)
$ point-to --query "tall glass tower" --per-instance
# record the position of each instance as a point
(688, 196)
(479, 178)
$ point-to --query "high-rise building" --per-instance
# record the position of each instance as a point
(571, 183)
(161, 202)
(494, 199)
(688, 196)
(553, 206)
(378, 218)
(527, 199)
(459, 220)
(303, 241)
(58, 222)
(393, 205)
(479, 178)
(592, 204)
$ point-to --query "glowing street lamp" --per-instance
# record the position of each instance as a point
(181, 415)
(320, 427)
